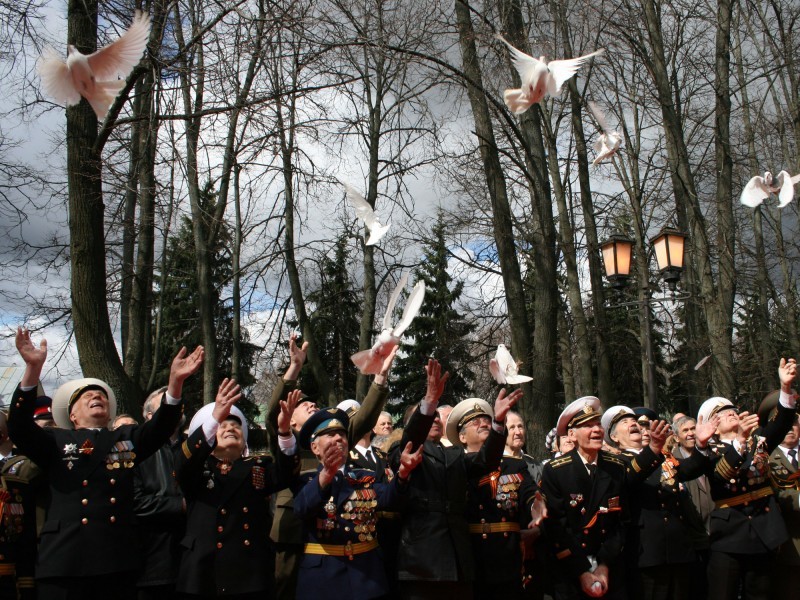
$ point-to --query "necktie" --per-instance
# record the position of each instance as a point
(793, 457)
(592, 468)
(371, 458)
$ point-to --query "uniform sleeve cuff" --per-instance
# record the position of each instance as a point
(171, 400)
(26, 388)
(210, 427)
(287, 445)
(788, 400)
(426, 407)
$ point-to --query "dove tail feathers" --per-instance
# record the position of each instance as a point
(367, 361)
(104, 96)
(516, 101)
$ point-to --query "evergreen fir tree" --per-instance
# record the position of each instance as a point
(438, 331)
(180, 316)
(335, 322)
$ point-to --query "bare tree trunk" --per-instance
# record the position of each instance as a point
(199, 218)
(719, 323)
(565, 350)
(129, 226)
(96, 349)
(236, 251)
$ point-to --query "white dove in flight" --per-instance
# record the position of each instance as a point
(608, 142)
(95, 76)
(538, 77)
(369, 362)
(504, 368)
(364, 211)
(759, 188)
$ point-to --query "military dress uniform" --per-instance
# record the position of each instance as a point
(89, 536)
(226, 550)
(287, 530)
(585, 523)
(498, 507)
(663, 540)
(21, 481)
(746, 523)
(785, 477)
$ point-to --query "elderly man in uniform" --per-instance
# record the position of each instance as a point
(226, 551)
(88, 542)
(659, 547)
(338, 506)
(287, 530)
(499, 505)
(586, 491)
(746, 523)
(785, 475)
(434, 559)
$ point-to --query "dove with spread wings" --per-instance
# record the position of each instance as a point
(759, 188)
(369, 361)
(505, 369)
(608, 141)
(94, 76)
(365, 212)
(538, 77)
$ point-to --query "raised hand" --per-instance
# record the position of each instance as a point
(34, 357)
(185, 365)
(382, 377)
(287, 408)
(436, 381)
(504, 403)
(787, 371)
(297, 357)
(659, 432)
(747, 424)
(704, 430)
(228, 394)
(409, 461)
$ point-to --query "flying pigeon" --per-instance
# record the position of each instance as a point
(364, 211)
(607, 143)
(539, 77)
(759, 188)
(504, 369)
(95, 76)
(369, 362)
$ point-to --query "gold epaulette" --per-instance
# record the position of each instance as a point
(610, 457)
(259, 458)
(354, 455)
(379, 453)
(560, 461)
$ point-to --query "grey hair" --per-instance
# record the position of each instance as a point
(150, 400)
(677, 424)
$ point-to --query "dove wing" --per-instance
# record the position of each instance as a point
(505, 360)
(363, 209)
(119, 57)
(496, 372)
(786, 193)
(561, 70)
(599, 116)
(524, 63)
(387, 317)
(56, 78)
(755, 192)
(413, 304)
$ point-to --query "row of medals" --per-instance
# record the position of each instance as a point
(507, 496)
(115, 460)
(360, 509)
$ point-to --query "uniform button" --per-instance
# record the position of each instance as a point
(480, 507)
(84, 502)
(602, 531)
(483, 520)
(247, 542)
(113, 519)
(246, 526)
(744, 488)
(503, 519)
(583, 545)
(245, 509)
(85, 483)
(222, 511)
(113, 481)
(219, 528)
(766, 509)
(219, 544)
(585, 532)
(505, 534)
(84, 520)
(113, 500)
(750, 517)
(666, 519)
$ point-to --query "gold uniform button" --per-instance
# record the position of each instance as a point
(245, 509)
(84, 502)
(85, 483)
(113, 519)
(247, 542)
(219, 544)
(84, 520)
(222, 511)
(246, 526)
(113, 481)
(113, 500)
(219, 528)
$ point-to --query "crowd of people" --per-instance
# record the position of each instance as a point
(346, 505)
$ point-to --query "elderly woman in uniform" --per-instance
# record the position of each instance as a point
(227, 551)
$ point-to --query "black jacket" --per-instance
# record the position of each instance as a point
(158, 504)
(91, 527)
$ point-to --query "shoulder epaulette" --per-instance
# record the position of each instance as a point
(611, 457)
(259, 458)
(561, 461)
(378, 452)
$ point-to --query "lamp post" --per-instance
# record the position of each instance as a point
(668, 248)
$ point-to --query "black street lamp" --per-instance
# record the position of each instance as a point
(617, 259)
(668, 248)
